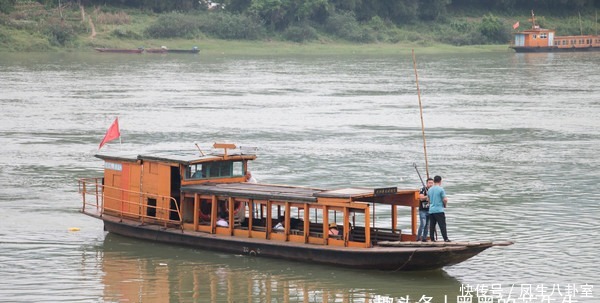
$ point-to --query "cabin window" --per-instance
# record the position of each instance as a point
(543, 35)
(221, 169)
(534, 36)
(277, 212)
(564, 42)
(296, 220)
(195, 171)
(238, 169)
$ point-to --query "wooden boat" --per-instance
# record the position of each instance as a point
(539, 39)
(157, 50)
(120, 50)
(164, 50)
(184, 198)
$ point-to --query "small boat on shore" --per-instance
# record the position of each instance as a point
(165, 50)
(120, 50)
(538, 39)
(206, 201)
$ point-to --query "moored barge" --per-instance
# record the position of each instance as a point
(165, 50)
(205, 201)
(120, 50)
(539, 40)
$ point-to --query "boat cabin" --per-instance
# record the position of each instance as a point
(539, 39)
(535, 37)
(209, 193)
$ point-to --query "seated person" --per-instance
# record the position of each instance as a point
(197, 175)
(333, 229)
(221, 222)
(279, 226)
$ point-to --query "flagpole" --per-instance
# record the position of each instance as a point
(120, 142)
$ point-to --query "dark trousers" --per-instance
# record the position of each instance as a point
(439, 218)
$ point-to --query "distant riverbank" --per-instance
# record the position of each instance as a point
(32, 27)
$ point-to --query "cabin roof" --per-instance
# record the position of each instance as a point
(256, 191)
(278, 192)
(182, 157)
(346, 193)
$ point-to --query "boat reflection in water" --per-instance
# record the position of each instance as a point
(141, 271)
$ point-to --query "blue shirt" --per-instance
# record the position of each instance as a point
(436, 196)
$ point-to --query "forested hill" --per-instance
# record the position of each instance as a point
(457, 22)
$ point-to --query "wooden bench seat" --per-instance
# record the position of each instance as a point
(377, 234)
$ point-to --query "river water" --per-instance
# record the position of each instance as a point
(515, 136)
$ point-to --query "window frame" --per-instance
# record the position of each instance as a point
(215, 170)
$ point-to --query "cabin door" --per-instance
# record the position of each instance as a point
(519, 40)
(175, 193)
(550, 39)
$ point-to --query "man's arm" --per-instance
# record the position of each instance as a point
(423, 195)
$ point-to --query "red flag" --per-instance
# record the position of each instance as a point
(112, 133)
(516, 25)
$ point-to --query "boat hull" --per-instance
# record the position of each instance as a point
(554, 49)
(118, 50)
(172, 51)
(379, 258)
(156, 51)
(184, 51)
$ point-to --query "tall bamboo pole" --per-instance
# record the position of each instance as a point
(580, 25)
(421, 109)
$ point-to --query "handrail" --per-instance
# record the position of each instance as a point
(99, 193)
(83, 190)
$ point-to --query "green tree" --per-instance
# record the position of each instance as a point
(278, 14)
(308, 9)
(400, 11)
(346, 5)
(367, 10)
(432, 9)
(237, 6)
(272, 12)
(493, 29)
(6, 6)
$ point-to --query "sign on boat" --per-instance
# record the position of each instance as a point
(204, 201)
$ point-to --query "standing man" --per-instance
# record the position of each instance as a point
(437, 202)
(424, 212)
